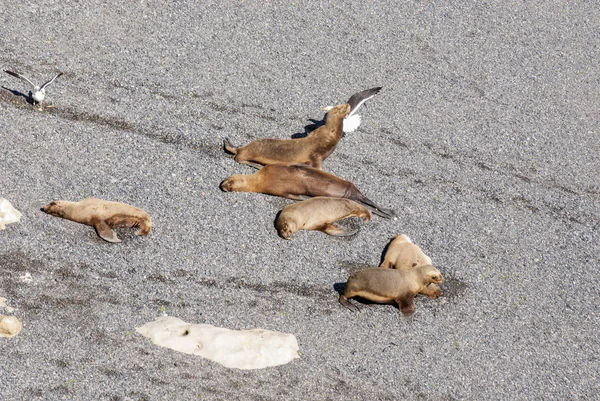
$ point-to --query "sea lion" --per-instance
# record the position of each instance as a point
(319, 214)
(299, 181)
(310, 150)
(402, 254)
(10, 326)
(389, 286)
(102, 215)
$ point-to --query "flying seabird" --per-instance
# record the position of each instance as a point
(38, 94)
(352, 120)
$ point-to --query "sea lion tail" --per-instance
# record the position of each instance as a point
(379, 211)
(229, 147)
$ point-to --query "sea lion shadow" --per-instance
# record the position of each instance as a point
(339, 287)
(385, 249)
(275, 221)
(28, 97)
(309, 128)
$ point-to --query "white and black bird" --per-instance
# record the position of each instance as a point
(38, 94)
(352, 120)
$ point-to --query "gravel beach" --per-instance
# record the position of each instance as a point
(484, 141)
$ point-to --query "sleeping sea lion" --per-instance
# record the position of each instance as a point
(310, 150)
(102, 215)
(389, 286)
(319, 214)
(402, 254)
(299, 181)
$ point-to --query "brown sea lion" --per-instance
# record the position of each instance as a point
(319, 214)
(389, 286)
(102, 215)
(299, 181)
(402, 254)
(310, 150)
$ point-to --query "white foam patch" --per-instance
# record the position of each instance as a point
(26, 278)
(351, 123)
(8, 214)
(241, 349)
(10, 326)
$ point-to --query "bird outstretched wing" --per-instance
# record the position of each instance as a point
(359, 98)
(52, 80)
(14, 74)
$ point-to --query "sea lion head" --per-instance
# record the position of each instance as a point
(338, 112)
(434, 292)
(234, 183)
(400, 239)
(286, 227)
(430, 273)
(54, 208)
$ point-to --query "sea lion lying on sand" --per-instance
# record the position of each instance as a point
(299, 181)
(310, 150)
(319, 214)
(389, 286)
(102, 215)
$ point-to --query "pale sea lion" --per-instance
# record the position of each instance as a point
(403, 254)
(389, 286)
(102, 215)
(296, 182)
(10, 326)
(319, 214)
(310, 150)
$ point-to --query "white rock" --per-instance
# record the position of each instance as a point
(8, 214)
(26, 278)
(241, 349)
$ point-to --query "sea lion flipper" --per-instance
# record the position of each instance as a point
(379, 211)
(388, 212)
(229, 147)
(406, 305)
(336, 231)
(104, 231)
(345, 302)
(252, 164)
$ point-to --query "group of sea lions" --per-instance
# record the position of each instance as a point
(405, 272)
(292, 168)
